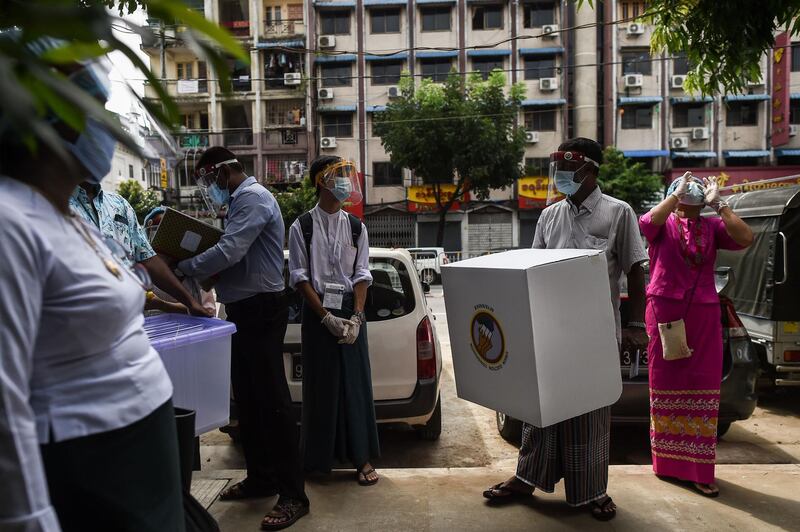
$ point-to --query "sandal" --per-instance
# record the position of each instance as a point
(501, 494)
(361, 476)
(240, 491)
(288, 511)
(604, 510)
(706, 490)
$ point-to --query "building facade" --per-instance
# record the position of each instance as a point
(321, 69)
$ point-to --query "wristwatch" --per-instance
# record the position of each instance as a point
(637, 324)
(361, 316)
(721, 205)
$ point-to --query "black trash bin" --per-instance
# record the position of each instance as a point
(184, 421)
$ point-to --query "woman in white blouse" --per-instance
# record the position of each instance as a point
(87, 429)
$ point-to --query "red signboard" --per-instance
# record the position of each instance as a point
(781, 72)
(744, 179)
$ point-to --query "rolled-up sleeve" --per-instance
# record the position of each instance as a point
(651, 231)
(361, 272)
(248, 216)
(629, 244)
(24, 500)
(298, 256)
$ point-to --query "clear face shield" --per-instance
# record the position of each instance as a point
(342, 180)
(567, 173)
(205, 177)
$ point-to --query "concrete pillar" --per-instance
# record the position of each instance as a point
(585, 78)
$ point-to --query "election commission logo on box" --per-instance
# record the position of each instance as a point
(488, 341)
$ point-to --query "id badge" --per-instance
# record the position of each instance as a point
(334, 293)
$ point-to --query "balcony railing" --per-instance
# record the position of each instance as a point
(191, 86)
(276, 29)
(280, 171)
(240, 28)
(238, 138)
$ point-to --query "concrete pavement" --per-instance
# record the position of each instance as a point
(753, 497)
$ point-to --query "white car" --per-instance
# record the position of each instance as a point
(428, 262)
(404, 352)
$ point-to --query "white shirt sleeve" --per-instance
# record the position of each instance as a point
(24, 500)
(361, 272)
(298, 256)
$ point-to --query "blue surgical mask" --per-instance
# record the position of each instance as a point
(219, 197)
(565, 182)
(342, 189)
(94, 149)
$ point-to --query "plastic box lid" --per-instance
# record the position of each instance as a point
(170, 331)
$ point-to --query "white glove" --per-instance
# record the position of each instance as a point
(353, 330)
(712, 196)
(338, 327)
(683, 186)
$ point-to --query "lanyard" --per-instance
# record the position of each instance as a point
(693, 261)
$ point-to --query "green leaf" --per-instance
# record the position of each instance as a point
(74, 52)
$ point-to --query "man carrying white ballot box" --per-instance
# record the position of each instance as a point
(577, 449)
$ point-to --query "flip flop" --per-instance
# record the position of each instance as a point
(240, 491)
(711, 494)
(289, 510)
(366, 481)
(499, 494)
(600, 510)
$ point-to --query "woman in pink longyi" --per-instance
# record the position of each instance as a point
(684, 393)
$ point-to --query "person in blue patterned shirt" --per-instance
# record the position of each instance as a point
(115, 218)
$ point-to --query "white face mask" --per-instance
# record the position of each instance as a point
(94, 149)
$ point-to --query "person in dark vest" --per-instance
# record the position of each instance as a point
(329, 267)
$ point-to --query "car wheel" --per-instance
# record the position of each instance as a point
(428, 276)
(722, 428)
(433, 428)
(509, 428)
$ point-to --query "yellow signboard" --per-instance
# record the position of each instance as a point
(427, 193)
(533, 187)
(164, 182)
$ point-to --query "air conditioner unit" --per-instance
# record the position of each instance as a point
(327, 143)
(531, 137)
(550, 31)
(548, 84)
(700, 133)
(679, 143)
(327, 41)
(635, 29)
(676, 82)
(793, 129)
(292, 78)
(325, 94)
(634, 80)
(394, 92)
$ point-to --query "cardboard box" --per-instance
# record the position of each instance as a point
(533, 333)
(181, 237)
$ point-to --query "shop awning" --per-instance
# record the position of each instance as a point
(693, 154)
(645, 153)
(372, 3)
(399, 56)
(293, 43)
(691, 99)
(787, 152)
(336, 108)
(795, 96)
(433, 54)
(543, 102)
(376, 108)
(488, 52)
(551, 50)
(747, 97)
(745, 153)
(641, 100)
(440, 2)
(334, 3)
(341, 58)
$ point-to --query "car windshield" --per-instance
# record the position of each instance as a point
(390, 296)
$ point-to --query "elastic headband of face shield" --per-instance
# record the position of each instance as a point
(576, 156)
(206, 175)
(341, 175)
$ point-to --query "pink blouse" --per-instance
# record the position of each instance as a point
(673, 268)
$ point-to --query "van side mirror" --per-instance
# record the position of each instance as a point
(426, 288)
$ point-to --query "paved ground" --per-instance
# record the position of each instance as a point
(437, 485)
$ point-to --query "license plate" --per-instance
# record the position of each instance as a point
(297, 367)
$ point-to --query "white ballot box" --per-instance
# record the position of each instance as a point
(533, 333)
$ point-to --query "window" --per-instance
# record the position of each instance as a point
(386, 72)
(337, 125)
(386, 174)
(142, 173)
(688, 115)
(637, 117)
(742, 114)
(487, 18)
(335, 22)
(543, 119)
(337, 75)
(796, 57)
(540, 68)
(385, 20)
(637, 62)
(285, 112)
(130, 171)
(539, 14)
(630, 10)
(794, 111)
(435, 18)
(537, 166)
(185, 70)
(680, 65)
(485, 65)
(436, 69)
